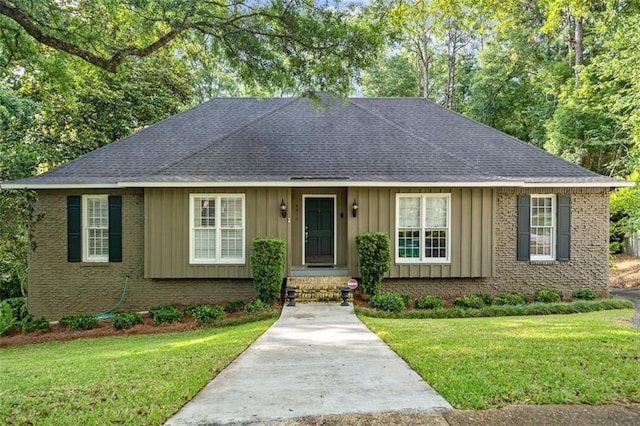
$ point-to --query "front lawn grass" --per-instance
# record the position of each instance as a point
(479, 363)
(115, 380)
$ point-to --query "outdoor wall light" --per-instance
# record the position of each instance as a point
(354, 208)
(283, 209)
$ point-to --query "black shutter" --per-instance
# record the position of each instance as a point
(524, 226)
(74, 228)
(115, 228)
(564, 228)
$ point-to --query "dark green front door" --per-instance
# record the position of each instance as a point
(319, 231)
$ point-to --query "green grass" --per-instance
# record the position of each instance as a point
(115, 380)
(478, 363)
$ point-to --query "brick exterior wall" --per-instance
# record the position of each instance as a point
(588, 267)
(58, 287)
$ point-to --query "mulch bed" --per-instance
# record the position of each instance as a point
(105, 328)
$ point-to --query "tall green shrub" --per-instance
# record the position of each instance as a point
(374, 256)
(267, 265)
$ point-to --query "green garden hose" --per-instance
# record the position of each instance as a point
(109, 313)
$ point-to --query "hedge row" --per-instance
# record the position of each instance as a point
(505, 310)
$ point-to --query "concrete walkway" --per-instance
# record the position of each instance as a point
(316, 360)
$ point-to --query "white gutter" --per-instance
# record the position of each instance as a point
(60, 186)
(324, 184)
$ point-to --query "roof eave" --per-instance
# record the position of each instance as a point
(323, 183)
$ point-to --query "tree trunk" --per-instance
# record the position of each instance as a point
(452, 49)
(425, 65)
(579, 48)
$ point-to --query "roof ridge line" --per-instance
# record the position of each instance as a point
(398, 126)
(226, 135)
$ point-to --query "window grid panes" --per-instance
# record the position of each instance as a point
(217, 228)
(542, 227)
(96, 228)
(409, 230)
(423, 228)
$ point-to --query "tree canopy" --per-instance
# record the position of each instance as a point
(295, 45)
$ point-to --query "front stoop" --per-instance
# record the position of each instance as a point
(318, 289)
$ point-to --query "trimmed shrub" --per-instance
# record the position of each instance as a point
(257, 305)
(30, 324)
(79, 322)
(7, 318)
(123, 320)
(165, 314)
(234, 306)
(19, 306)
(547, 295)
(406, 299)
(583, 293)
(206, 314)
(513, 299)
(374, 256)
(392, 302)
(470, 301)
(430, 301)
(267, 266)
(487, 299)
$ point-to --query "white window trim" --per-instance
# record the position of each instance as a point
(217, 261)
(554, 227)
(423, 259)
(86, 257)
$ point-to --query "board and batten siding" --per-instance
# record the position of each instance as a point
(472, 230)
(166, 245)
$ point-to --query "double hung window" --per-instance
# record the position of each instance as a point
(543, 227)
(95, 228)
(217, 233)
(423, 223)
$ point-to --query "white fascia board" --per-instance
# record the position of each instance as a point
(314, 184)
(378, 184)
(60, 186)
(321, 183)
(616, 184)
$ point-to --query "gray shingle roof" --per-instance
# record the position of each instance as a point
(289, 140)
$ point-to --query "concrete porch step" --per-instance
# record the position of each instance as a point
(318, 289)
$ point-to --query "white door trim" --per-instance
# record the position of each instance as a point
(335, 223)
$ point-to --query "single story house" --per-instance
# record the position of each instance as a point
(175, 206)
